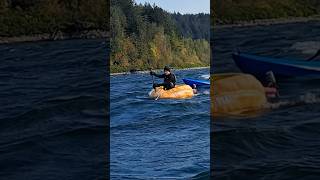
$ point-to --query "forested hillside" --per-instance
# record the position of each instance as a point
(196, 26)
(230, 11)
(146, 36)
(30, 17)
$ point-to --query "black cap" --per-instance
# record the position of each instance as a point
(166, 68)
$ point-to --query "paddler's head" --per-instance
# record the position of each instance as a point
(166, 70)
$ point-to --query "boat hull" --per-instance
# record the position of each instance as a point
(191, 82)
(259, 66)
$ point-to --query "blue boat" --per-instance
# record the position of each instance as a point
(259, 66)
(191, 82)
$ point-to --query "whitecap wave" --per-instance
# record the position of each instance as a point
(205, 76)
(307, 47)
(307, 98)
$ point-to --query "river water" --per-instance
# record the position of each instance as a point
(283, 142)
(53, 115)
(54, 125)
(167, 139)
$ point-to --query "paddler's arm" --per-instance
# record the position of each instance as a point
(314, 56)
(156, 75)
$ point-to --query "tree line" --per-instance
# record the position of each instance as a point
(230, 11)
(30, 17)
(196, 26)
(146, 36)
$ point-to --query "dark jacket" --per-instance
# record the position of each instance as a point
(171, 78)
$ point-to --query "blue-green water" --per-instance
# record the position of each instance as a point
(158, 139)
(53, 110)
(283, 142)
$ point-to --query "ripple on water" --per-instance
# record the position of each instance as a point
(279, 143)
(163, 138)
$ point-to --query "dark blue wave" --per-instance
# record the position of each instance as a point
(280, 143)
(53, 117)
(150, 139)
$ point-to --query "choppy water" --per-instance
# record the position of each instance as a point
(283, 142)
(53, 110)
(166, 139)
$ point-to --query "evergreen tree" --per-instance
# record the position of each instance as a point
(146, 36)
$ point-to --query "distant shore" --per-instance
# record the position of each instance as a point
(267, 22)
(92, 34)
(147, 71)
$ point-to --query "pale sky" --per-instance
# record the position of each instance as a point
(182, 6)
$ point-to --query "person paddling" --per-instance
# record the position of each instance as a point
(169, 81)
(314, 56)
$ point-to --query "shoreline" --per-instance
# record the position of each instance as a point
(98, 34)
(92, 34)
(147, 71)
(268, 22)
